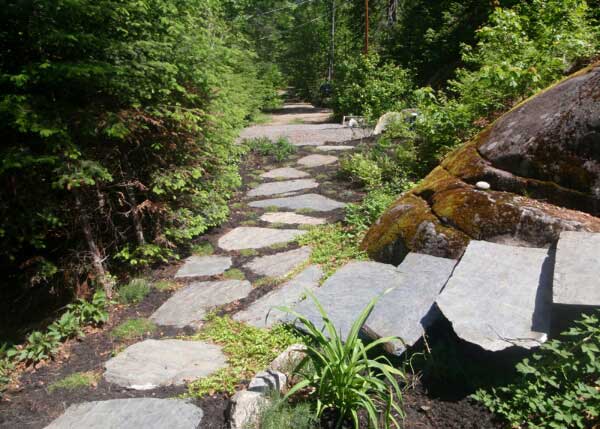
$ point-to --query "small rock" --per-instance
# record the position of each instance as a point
(483, 185)
(268, 381)
(289, 359)
(245, 409)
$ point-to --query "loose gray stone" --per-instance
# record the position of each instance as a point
(327, 148)
(404, 312)
(291, 218)
(245, 409)
(268, 381)
(279, 264)
(188, 306)
(499, 296)
(249, 237)
(154, 363)
(314, 202)
(197, 266)
(289, 359)
(577, 269)
(273, 188)
(285, 173)
(317, 160)
(147, 413)
(262, 313)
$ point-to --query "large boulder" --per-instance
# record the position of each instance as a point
(542, 162)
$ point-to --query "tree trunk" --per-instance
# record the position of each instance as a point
(135, 216)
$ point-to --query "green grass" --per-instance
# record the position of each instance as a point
(248, 350)
(305, 211)
(267, 281)
(78, 380)
(164, 285)
(248, 252)
(279, 246)
(133, 328)
(260, 118)
(249, 222)
(237, 206)
(279, 414)
(134, 291)
(234, 274)
(203, 249)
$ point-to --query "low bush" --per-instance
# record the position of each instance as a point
(280, 150)
(134, 291)
(558, 387)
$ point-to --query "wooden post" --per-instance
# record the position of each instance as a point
(366, 27)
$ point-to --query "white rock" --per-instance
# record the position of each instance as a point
(245, 409)
(483, 185)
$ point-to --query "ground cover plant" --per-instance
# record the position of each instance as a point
(133, 328)
(78, 380)
(280, 149)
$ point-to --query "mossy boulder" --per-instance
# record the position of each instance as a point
(542, 160)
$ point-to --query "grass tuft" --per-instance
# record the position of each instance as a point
(203, 249)
(78, 380)
(234, 274)
(134, 291)
(133, 328)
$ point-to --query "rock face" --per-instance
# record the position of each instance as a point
(542, 163)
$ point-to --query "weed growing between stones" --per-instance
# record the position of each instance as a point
(203, 249)
(134, 291)
(133, 328)
(279, 413)
(234, 274)
(248, 252)
(165, 285)
(78, 380)
(280, 150)
(248, 350)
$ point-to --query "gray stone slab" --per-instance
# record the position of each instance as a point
(189, 306)
(261, 313)
(279, 264)
(327, 148)
(285, 173)
(154, 363)
(577, 269)
(197, 266)
(292, 218)
(499, 296)
(317, 160)
(314, 202)
(273, 188)
(250, 237)
(130, 413)
(404, 312)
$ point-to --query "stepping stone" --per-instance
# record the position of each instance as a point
(197, 266)
(285, 173)
(261, 313)
(317, 160)
(327, 148)
(279, 264)
(250, 237)
(403, 312)
(189, 306)
(155, 363)
(273, 188)
(147, 413)
(292, 218)
(314, 202)
(499, 296)
(577, 269)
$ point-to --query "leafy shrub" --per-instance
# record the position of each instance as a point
(92, 312)
(362, 170)
(559, 386)
(362, 215)
(134, 291)
(39, 346)
(280, 149)
(342, 377)
(133, 328)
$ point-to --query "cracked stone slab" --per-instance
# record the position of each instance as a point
(147, 413)
(189, 306)
(404, 312)
(285, 173)
(273, 188)
(261, 313)
(197, 266)
(291, 218)
(317, 160)
(327, 148)
(577, 269)
(250, 237)
(499, 296)
(155, 363)
(314, 202)
(279, 264)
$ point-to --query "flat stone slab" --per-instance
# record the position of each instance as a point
(317, 160)
(577, 269)
(327, 148)
(147, 413)
(261, 313)
(279, 264)
(292, 218)
(314, 202)
(155, 363)
(285, 173)
(197, 266)
(189, 306)
(404, 312)
(273, 188)
(250, 237)
(499, 296)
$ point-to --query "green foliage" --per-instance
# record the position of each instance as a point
(280, 150)
(164, 285)
(248, 350)
(559, 386)
(76, 381)
(203, 249)
(343, 378)
(134, 291)
(92, 312)
(133, 328)
(281, 414)
(234, 274)
(362, 215)
(39, 346)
